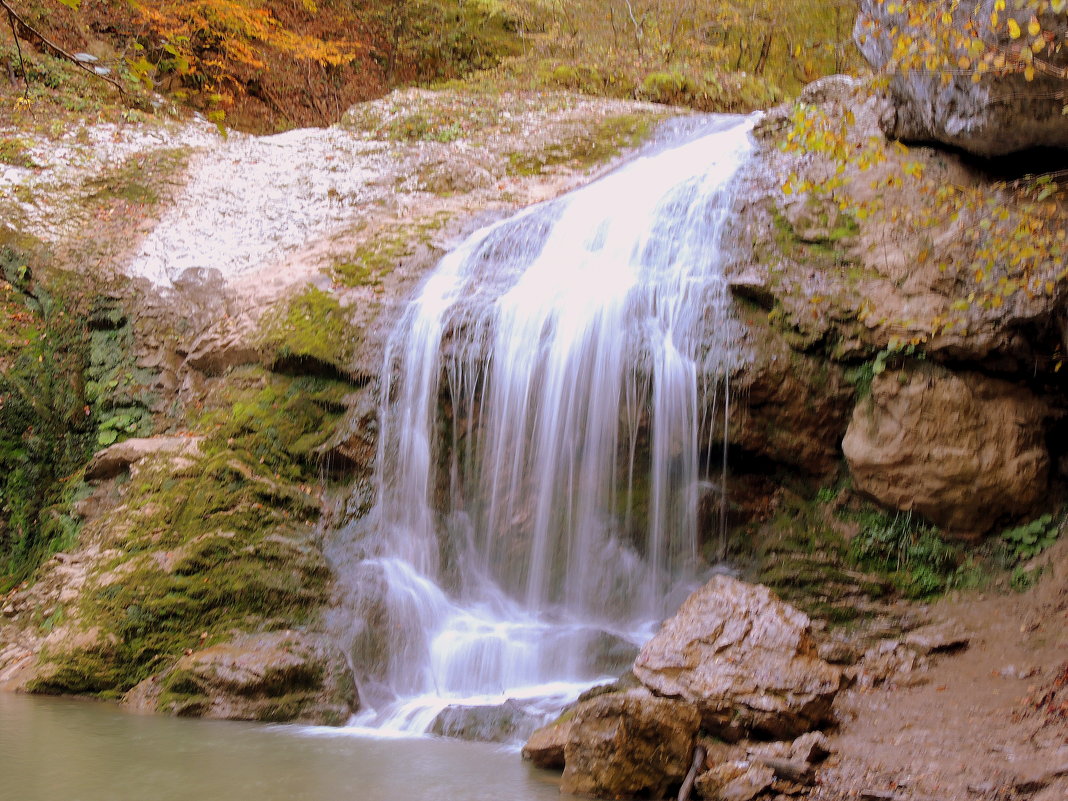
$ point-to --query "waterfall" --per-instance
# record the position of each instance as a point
(544, 401)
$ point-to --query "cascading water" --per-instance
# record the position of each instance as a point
(539, 465)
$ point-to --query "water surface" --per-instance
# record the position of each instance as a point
(72, 750)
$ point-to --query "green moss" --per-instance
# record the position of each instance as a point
(15, 151)
(803, 555)
(46, 422)
(312, 326)
(143, 179)
(607, 139)
(369, 264)
(219, 545)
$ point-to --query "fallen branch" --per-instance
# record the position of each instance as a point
(699, 756)
(13, 17)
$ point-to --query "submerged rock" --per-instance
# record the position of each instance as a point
(744, 659)
(498, 723)
(278, 676)
(960, 449)
(992, 116)
(629, 744)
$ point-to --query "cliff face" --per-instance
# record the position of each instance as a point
(901, 315)
(232, 296)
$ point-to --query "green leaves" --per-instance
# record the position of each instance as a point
(1031, 539)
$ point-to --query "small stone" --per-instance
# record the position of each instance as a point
(749, 785)
(839, 653)
(9, 610)
(936, 638)
(811, 747)
(879, 795)
(1014, 672)
(85, 58)
(985, 788)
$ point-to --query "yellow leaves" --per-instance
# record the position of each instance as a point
(1058, 5)
(1029, 72)
(1033, 28)
(964, 62)
(1014, 29)
(914, 168)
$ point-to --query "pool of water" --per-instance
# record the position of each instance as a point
(55, 749)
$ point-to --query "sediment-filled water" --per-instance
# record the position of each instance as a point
(55, 749)
(540, 466)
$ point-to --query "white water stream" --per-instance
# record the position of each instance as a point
(539, 470)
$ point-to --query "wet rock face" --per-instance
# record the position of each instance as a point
(744, 659)
(960, 449)
(497, 723)
(280, 676)
(546, 746)
(623, 745)
(992, 117)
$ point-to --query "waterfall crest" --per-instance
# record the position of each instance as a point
(539, 467)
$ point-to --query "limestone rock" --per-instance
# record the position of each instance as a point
(117, 458)
(545, 748)
(960, 449)
(278, 676)
(734, 781)
(745, 659)
(936, 637)
(629, 744)
(811, 747)
(497, 723)
(997, 115)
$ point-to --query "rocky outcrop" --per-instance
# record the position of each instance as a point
(997, 114)
(963, 450)
(118, 458)
(279, 676)
(744, 659)
(546, 746)
(623, 745)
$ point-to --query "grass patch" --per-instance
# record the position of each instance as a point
(912, 554)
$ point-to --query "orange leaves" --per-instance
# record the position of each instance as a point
(224, 39)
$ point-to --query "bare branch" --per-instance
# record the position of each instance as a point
(59, 51)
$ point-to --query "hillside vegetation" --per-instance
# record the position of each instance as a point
(268, 65)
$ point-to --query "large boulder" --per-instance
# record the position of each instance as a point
(993, 116)
(961, 449)
(276, 676)
(628, 744)
(744, 659)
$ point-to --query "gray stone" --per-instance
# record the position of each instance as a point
(499, 723)
(997, 115)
